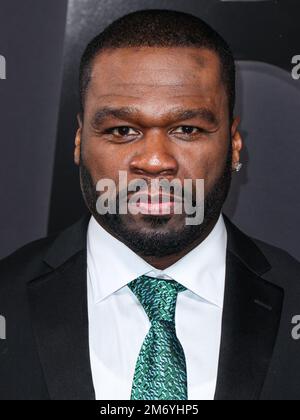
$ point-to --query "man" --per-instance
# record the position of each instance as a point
(142, 305)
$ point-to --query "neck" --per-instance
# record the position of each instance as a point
(161, 263)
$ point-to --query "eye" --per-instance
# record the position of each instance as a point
(187, 130)
(122, 131)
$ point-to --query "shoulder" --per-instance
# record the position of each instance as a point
(275, 264)
(285, 269)
(25, 262)
(39, 257)
(278, 257)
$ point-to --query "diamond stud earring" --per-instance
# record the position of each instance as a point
(238, 166)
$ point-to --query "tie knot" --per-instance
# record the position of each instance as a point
(157, 296)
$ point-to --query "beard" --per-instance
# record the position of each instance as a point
(153, 236)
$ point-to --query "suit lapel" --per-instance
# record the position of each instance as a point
(58, 304)
(251, 316)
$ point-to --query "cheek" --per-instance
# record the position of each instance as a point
(103, 161)
(207, 162)
(204, 160)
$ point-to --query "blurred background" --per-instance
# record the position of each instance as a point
(42, 42)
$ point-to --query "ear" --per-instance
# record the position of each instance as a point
(237, 142)
(77, 150)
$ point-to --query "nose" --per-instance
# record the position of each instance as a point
(156, 158)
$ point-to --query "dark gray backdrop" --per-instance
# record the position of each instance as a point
(31, 39)
(264, 36)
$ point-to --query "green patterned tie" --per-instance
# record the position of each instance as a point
(160, 372)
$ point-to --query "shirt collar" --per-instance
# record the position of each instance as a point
(112, 265)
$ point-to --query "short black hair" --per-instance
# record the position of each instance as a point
(159, 28)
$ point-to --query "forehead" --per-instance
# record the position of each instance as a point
(145, 76)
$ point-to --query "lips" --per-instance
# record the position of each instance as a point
(158, 204)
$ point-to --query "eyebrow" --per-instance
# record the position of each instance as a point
(129, 113)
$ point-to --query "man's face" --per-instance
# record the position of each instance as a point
(157, 113)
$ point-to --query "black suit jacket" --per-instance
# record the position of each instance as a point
(43, 296)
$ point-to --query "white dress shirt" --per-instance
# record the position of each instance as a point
(118, 323)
